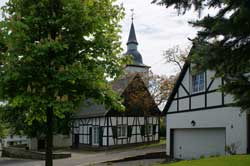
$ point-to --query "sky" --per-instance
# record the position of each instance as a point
(157, 28)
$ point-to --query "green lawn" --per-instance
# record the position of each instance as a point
(237, 160)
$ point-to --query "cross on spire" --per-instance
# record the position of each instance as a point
(132, 14)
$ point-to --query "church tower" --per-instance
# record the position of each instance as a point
(137, 65)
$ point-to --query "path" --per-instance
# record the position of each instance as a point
(85, 158)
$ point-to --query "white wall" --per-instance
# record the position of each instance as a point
(59, 141)
(114, 121)
(33, 144)
(230, 118)
(214, 98)
(135, 69)
(135, 130)
(16, 139)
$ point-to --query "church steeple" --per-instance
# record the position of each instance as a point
(132, 36)
(132, 47)
(137, 66)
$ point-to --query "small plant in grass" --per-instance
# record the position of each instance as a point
(232, 148)
(202, 157)
(217, 155)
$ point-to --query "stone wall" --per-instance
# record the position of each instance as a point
(27, 154)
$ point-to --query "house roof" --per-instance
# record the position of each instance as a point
(137, 100)
(125, 87)
(90, 108)
(121, 84)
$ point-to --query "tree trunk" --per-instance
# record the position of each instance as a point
(49, 137)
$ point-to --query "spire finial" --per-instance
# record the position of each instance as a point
(132, 15)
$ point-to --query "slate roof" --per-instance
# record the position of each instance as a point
(132, 36)
(136, 56)
(132, 49)
(121, 84)
(137, 100)
(89, 108)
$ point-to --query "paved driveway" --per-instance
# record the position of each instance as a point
(84, 158)
(144, 162)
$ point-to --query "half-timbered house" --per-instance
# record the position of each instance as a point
(96, 126)
(200, 120)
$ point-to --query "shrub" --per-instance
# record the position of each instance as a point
(162, 127)
(231, 149)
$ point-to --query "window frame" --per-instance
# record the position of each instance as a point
(95, 138)
(196, 82)
(122, 131)
(149, 130)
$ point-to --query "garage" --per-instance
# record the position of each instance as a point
(195, 143)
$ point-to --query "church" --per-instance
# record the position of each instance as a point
(95, 126)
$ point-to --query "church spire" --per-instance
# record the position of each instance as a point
(132, 36)
(136, 66)
(132, 45)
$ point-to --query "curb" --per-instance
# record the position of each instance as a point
(154, 155)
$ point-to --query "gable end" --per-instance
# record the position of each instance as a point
(176, 87)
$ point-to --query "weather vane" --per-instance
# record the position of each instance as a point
(132, 15)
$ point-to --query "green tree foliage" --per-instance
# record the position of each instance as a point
(3, 130)
(222, 43)
(163, 127)
(15, 118)
(55, 54)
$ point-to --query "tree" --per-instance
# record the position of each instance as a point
(3, 132)
(160, 87)
(176, 55)
(222, 44)
(55, 54)
(15, 118)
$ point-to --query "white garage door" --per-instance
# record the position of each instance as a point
(194, 143)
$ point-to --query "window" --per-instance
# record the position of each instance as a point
(95, 136)
(198, 82)
(122, 131)
(149, 129)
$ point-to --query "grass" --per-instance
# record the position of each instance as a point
(236, 160)
(162, 142)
